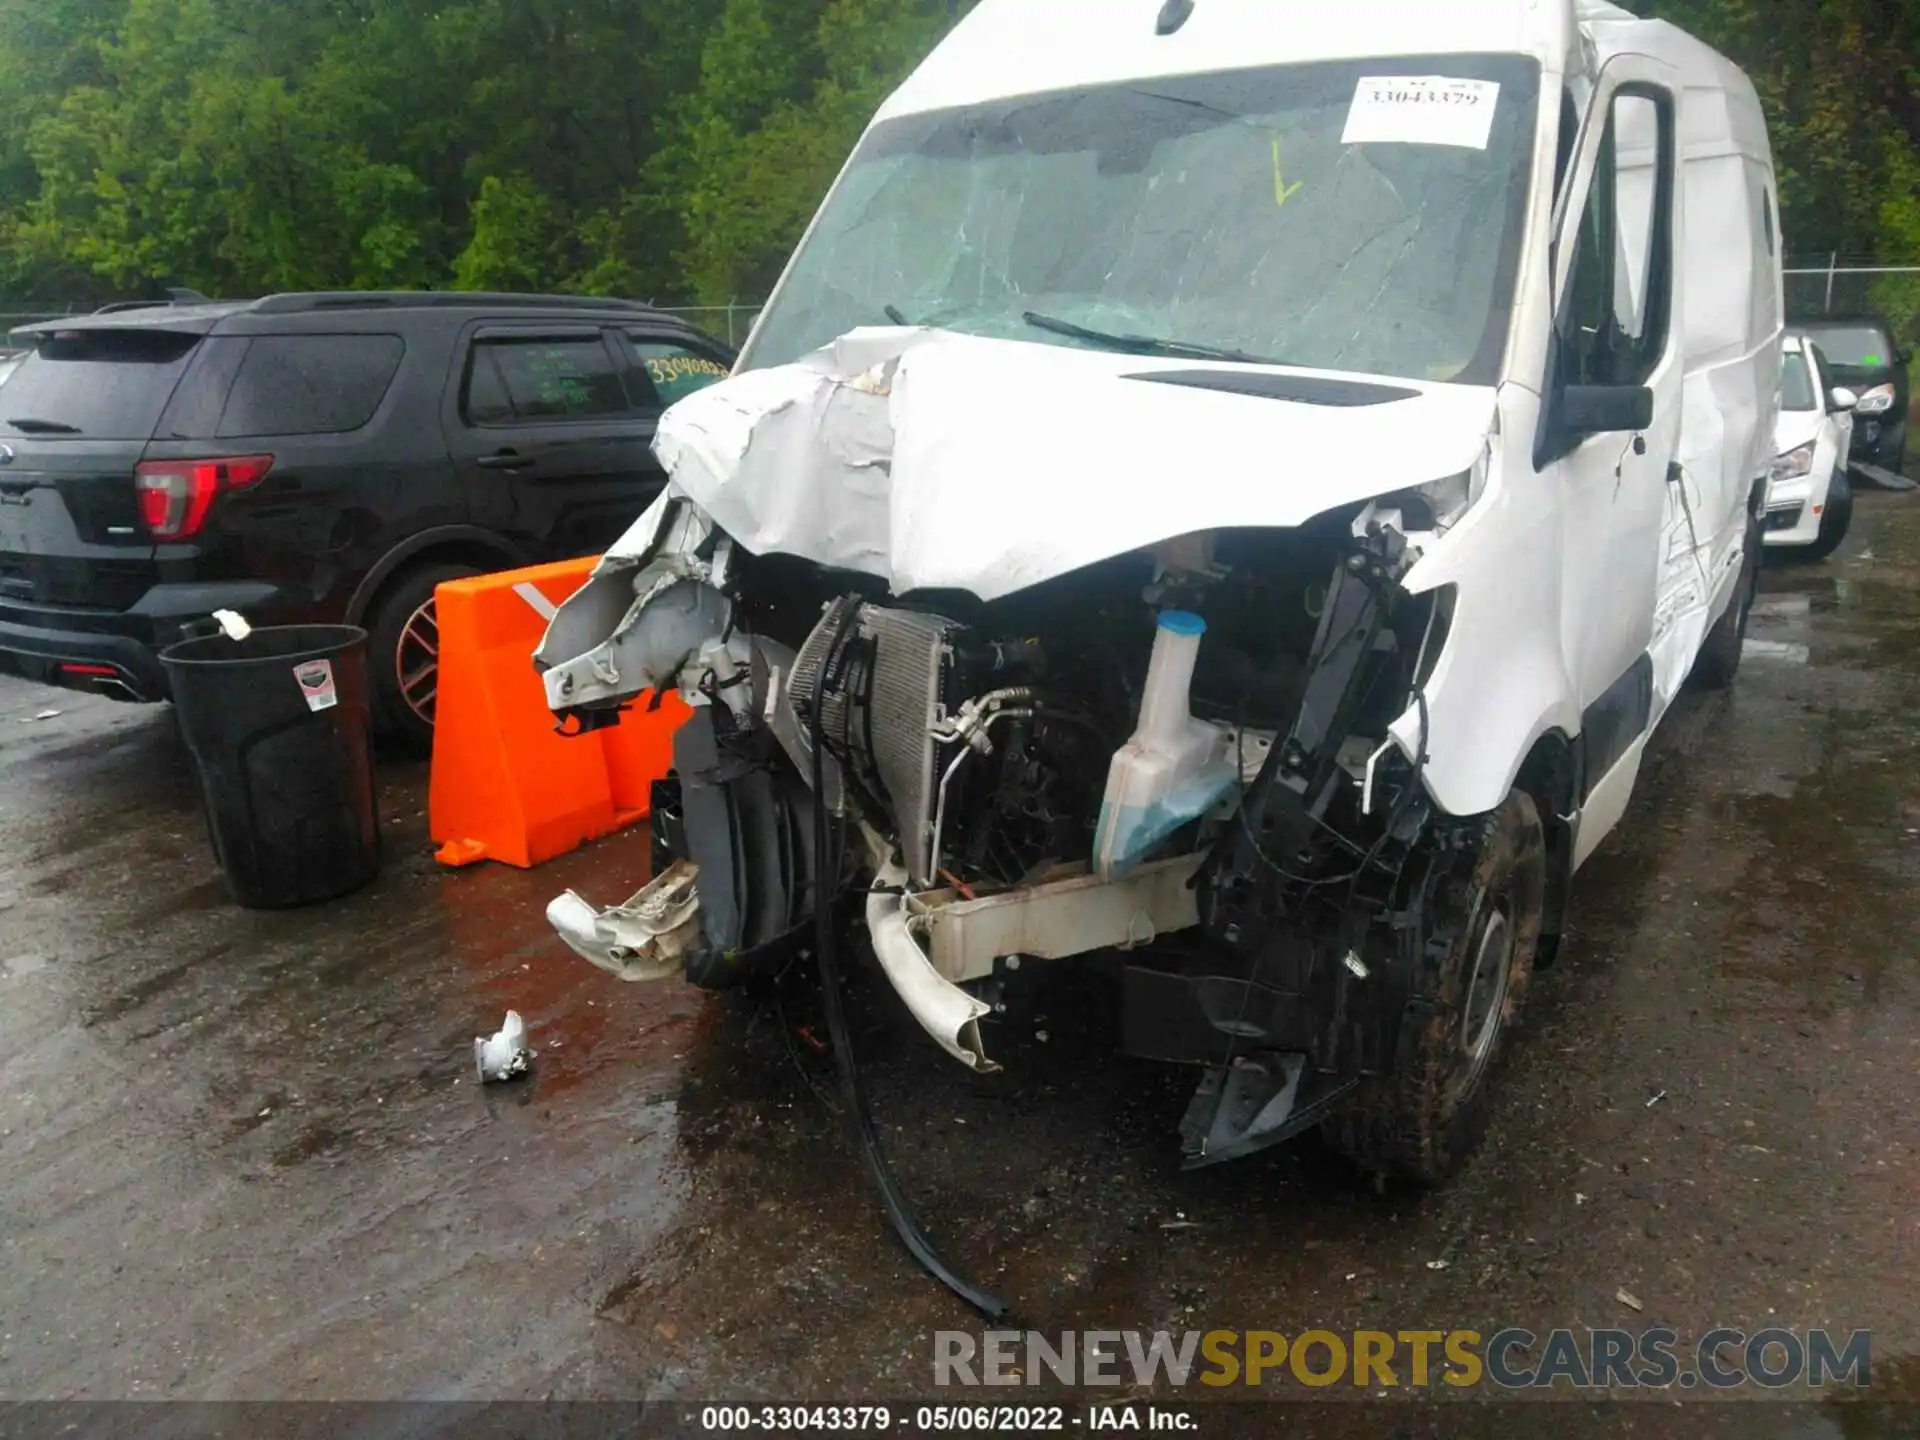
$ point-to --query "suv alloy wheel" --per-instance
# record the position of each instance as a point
(404, 654)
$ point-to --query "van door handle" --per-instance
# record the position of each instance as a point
(505, 460)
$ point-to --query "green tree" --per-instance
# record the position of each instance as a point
(671, 149)
(774, 119)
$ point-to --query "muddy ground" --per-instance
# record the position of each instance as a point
(243, 1156)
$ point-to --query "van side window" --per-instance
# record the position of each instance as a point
(1569, 139)
(1637, 161)
(1587, 321)
(1619, 296)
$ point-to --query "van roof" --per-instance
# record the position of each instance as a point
(1618, 31)
(1005, 48)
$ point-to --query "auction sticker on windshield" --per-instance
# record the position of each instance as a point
(1422, 110)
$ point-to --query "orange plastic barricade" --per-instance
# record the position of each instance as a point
(505, 784)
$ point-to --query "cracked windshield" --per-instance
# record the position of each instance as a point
(1359, 217)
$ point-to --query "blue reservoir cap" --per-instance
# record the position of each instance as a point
(1182, 622)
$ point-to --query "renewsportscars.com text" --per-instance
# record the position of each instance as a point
(1510, 1359)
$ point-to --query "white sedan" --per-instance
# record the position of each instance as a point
(1809, 499)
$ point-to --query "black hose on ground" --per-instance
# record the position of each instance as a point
(826, 945)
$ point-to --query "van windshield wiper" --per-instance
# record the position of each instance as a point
(1144, 344)
(44, 427)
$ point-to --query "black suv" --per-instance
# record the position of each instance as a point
(316, 457)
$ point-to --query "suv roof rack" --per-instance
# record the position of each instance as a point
(305, 302)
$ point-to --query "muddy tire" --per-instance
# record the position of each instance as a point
(403, 656)
(1719, 658)
(1473, 958)
(1836, 519)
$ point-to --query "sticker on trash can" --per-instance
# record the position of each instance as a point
(316, 683)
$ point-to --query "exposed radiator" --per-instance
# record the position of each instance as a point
(881, 706)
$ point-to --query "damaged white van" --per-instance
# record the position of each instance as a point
(1226, 485)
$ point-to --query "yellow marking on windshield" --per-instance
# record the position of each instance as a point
(1282, 192)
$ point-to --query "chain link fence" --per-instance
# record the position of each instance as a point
(56, 311)
(731, 323)
(1830, 288)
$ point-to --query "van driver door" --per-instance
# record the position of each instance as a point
(1612, 412)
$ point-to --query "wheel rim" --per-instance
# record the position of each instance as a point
(416, 662)
(1486, 998)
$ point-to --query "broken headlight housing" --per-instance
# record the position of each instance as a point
(1451, 498)
(1791, 466)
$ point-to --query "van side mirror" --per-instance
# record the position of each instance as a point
(1605, 409)
(1842, 399)
(1904, 355)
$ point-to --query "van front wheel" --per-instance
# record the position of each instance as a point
(1480, 922)
(1719, 658)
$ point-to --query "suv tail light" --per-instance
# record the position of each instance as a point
(175, 495)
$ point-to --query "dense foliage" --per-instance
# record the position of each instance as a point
(651, 147)
(1841, 83)
(670, 148)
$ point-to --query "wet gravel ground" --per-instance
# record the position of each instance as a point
(243, 1156)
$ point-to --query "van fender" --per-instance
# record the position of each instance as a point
(1476, 750)
(1501, 684)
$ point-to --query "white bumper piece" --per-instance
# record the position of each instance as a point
(945, 1011)
(932, 942)
(645, 939)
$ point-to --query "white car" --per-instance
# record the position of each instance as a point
(1809, 499)
(1227, 487)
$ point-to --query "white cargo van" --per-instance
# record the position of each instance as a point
(1228, 485)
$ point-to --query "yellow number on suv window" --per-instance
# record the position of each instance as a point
(675, 372)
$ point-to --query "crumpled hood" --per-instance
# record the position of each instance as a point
(941, 461)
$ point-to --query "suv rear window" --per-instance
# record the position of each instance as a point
(106, 384)
(514, 381)
(309, 384)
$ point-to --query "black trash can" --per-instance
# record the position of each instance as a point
(279, 727)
